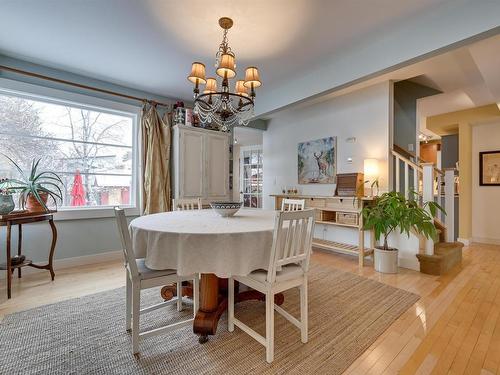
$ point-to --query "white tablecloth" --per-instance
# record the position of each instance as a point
(202, 241)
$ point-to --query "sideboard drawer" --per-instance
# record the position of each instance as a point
(316, 203)
(340, 204)
(348, 218)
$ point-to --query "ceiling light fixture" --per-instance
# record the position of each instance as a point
(424, 137)
(224, 107)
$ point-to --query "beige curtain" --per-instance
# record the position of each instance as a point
(155, 161)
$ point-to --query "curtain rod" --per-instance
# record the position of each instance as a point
(79, 85)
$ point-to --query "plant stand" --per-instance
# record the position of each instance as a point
(19, 218)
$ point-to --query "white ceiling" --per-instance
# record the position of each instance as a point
(468, 77)
(150, 44)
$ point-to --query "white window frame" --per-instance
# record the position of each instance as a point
(242, 172)
(56, 96)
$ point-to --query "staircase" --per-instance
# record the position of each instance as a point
(432, 184)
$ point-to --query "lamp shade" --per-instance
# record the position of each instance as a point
(240, 88)
(211, 86)
(226, 66)
(197, 73)
(252, 77)
(371, 169)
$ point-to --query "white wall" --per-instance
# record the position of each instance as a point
(485, 199)
(363, 114)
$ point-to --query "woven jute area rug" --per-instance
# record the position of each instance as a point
(87, 335)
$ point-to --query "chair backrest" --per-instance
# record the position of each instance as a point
(292, 241)
(292, 204)
(128, 251)
(186, 204)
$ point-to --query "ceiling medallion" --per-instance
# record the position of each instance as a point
(221, 106)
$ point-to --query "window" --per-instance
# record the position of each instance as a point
(92, 149)
(251, 176)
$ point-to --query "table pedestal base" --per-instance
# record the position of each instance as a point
(213, 302)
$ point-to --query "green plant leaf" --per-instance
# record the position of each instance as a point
(34, 166)
(39, 199)
(16, 166)
(49, 175)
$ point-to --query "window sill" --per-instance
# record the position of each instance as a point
(92, 213)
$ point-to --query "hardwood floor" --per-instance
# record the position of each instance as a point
(454, 328)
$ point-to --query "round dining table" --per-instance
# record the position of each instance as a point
(202, 242)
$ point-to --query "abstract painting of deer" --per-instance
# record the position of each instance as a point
(317, 161)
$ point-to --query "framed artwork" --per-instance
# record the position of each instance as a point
(317, 161)
(489, 168)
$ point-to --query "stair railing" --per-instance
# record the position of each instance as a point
(407, 174)
(432, 184)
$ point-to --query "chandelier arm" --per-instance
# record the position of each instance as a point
(225, 108)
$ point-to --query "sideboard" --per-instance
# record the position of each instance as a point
(341, 212)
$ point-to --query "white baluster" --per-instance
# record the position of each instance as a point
(428, 196)
(449, 203)
(407, 181)
(398, 162)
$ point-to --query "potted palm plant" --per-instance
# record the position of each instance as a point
(393, 211)
(36, 187)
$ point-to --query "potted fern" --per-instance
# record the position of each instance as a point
(35, 188)
(392, 211)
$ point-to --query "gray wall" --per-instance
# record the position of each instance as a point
(449, 151)
(76, 237)
(406, 94)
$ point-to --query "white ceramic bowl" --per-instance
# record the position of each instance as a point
(226, 209)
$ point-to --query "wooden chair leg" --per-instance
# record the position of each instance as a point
(196, 294)
(19, 245)
(136, 303)
(230, 303)
(179, 296)
(304, 312)
(269, 327)
(128, 303)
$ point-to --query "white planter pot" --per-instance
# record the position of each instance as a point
(386, 261)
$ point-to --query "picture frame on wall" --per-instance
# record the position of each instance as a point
(317, 161)
(489, 168)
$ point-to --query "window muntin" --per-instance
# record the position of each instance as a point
(71, 139)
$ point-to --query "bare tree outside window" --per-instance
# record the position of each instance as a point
(89, 132)
(19, 122)
(84, 146)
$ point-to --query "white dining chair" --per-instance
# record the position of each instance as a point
(186, 204)
(140, 277)
(292, 204)
(288, 268)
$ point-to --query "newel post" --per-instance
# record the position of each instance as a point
(449, 203)
(428, 196)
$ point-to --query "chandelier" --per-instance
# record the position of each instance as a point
(223, 107)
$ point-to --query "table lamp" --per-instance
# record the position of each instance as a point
(371, 172)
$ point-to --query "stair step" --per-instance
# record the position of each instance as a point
(446, 256)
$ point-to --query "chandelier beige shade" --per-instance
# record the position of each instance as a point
(252, 77)
(211, 86)
(197, 75)
(226, 66)
(240, 88)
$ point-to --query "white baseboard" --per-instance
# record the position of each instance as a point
(79, 261)
(465, 241)
(490, 241)
(410, 263)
